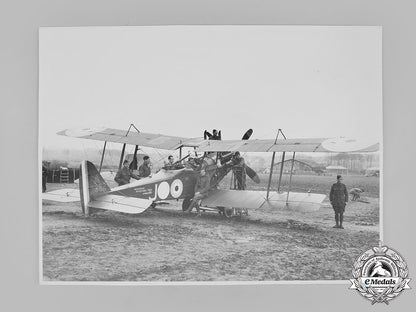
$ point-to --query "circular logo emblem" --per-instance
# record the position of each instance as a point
(380, 274)
(163, 190)
(340, 145)
(176, 188)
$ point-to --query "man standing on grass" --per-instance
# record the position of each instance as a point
(338, 198)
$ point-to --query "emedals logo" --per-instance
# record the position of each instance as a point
(380, 274)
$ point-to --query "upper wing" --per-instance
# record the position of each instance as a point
(133, 137)
(337, 145)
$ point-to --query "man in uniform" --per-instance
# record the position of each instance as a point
(239, 169)
(215, 135)
(170, 165)
(338, 198)
(356, 193)
(209, 165)
(124, 174)
(144, 169)
(201, 190)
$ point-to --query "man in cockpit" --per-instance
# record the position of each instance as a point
(145, 168)
(124, 174)
(170, 165)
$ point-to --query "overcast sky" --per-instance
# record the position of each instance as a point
(180, 80)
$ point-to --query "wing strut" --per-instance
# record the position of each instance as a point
(283, 160)
(132, 125)
(102, 156)
(122, 156)
(133, 164)
(124, 145)
(270, 176)
(290, 179)
(272, 165)
(281, 172)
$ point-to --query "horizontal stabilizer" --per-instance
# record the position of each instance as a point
(62, 195)
(121, 203)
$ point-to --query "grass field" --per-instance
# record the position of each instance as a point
(165, 244)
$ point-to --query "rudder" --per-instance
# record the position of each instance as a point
(91, 185)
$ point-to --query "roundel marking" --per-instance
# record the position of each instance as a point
(176, 188)
(163, 190)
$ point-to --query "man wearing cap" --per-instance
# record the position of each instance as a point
(144, 169)
(338, 198)
(124, 174)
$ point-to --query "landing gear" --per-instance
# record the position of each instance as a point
(229, 212)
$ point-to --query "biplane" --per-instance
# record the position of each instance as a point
(178, 182)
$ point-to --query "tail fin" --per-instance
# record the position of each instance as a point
(91, 185)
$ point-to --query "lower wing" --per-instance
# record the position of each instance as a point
(258, 199)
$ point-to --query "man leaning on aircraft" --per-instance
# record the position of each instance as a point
(124, 174)
(201, 190)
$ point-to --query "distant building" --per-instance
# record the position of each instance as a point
(334, 170)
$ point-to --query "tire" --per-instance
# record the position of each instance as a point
(185, 204)
(228, 212)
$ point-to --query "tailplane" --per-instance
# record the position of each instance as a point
(91, 185)
(95, 193)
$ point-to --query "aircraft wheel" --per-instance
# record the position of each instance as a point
(228, 212)
(185, 204)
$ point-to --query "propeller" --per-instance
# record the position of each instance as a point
(249, 171)
(247, 135)
(207, 135)
(227, 159)
(252, 174)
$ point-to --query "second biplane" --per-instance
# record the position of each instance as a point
(178, 182)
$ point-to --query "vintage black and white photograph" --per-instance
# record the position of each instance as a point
(221, 154)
